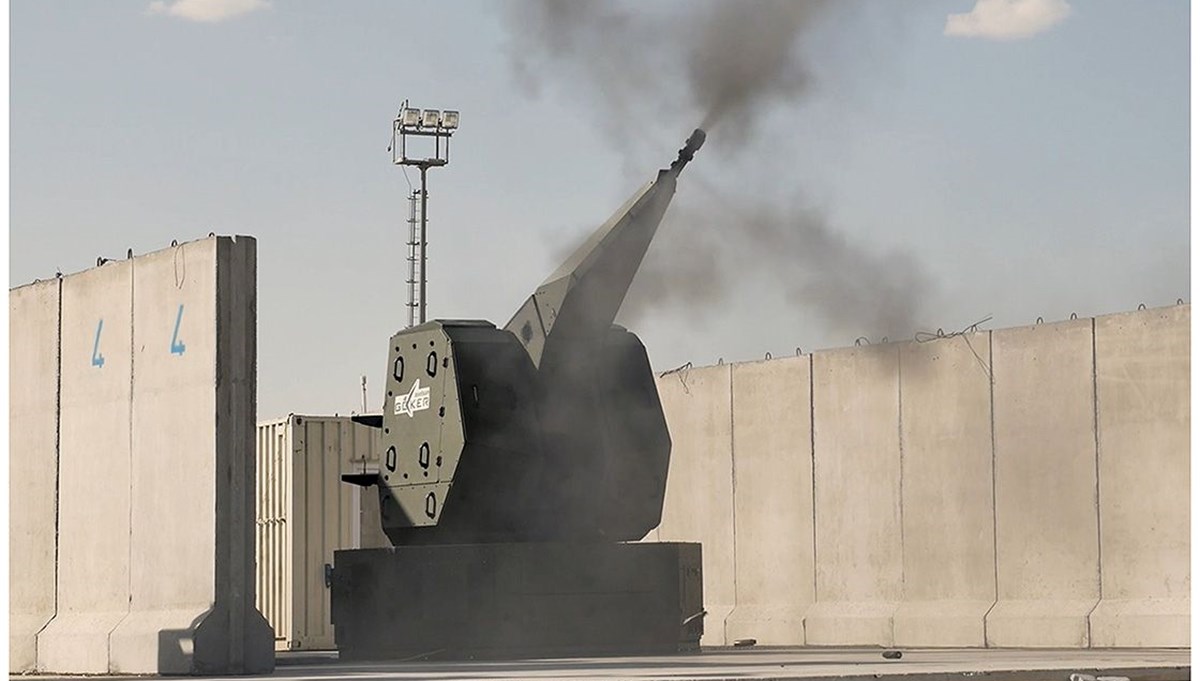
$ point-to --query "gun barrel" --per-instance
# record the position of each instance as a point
(581, 298)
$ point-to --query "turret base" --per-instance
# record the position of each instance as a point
(517, 600)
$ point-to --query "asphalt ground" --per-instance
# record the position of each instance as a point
(715, 664)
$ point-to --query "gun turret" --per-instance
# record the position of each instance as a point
(548, 429)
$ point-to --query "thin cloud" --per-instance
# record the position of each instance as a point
(206, 11)
(1007, 19)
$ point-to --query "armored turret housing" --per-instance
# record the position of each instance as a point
(548, 429)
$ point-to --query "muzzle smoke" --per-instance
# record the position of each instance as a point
(726, 64)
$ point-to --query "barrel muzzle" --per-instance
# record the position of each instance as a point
(693, 144)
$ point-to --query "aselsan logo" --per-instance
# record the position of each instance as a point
(416, 400)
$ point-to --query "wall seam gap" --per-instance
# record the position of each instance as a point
(995, 535)
(812, 453)
(1099, 530)
(57, 465)
(129, 560)
(732, 509)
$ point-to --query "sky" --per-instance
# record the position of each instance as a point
(1006, 158)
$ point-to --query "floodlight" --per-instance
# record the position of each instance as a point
(436, 127)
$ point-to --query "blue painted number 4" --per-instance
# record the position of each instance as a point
(177, 346)
(97, 358)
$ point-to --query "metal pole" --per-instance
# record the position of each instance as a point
(424, 217)
(413, 248)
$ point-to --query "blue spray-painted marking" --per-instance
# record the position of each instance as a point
(97, 358)
(177, 346)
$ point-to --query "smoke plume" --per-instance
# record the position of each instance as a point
(784, 247)
(727, 65)
(741, 57)
(735, 57)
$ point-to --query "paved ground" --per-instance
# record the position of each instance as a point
(769, 663)
(777, 663)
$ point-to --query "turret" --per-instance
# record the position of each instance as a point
(547, 430)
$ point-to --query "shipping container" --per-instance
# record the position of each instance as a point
(303, 513)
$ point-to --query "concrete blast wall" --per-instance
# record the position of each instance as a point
(1023, 487)
(94, 466)
(856, 471)
(155, 467)
(1144, 404)
(946, 492)
(772, 497)
(1048, 563)
(699, 498)
(32, 465)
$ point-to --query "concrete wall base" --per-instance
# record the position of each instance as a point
(77, 643)
(1039, 624)
(944, 624)
(1141, 623)
(862, 623)
(135, 644)
(22, 646)
(191, 641)
(229, 643)
(770, 625)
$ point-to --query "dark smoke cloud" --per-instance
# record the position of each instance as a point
(654, 71)
(784, 248)
(852, 288)
(722, 61)
(740, 56)
(687, 274)
(611, 56)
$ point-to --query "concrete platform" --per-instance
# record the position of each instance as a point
(768, 663)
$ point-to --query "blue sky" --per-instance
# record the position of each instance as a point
(1031, 176)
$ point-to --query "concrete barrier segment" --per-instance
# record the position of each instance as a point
(242, 639)
(947, 510)
(1047, 524)
(93, 578)
(772, 497)
(32, 466)
(856, 468)
(698, 506)
(1143, 370)
(172, 524)
(156, 467)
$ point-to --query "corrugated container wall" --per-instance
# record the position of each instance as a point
(304, 512)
